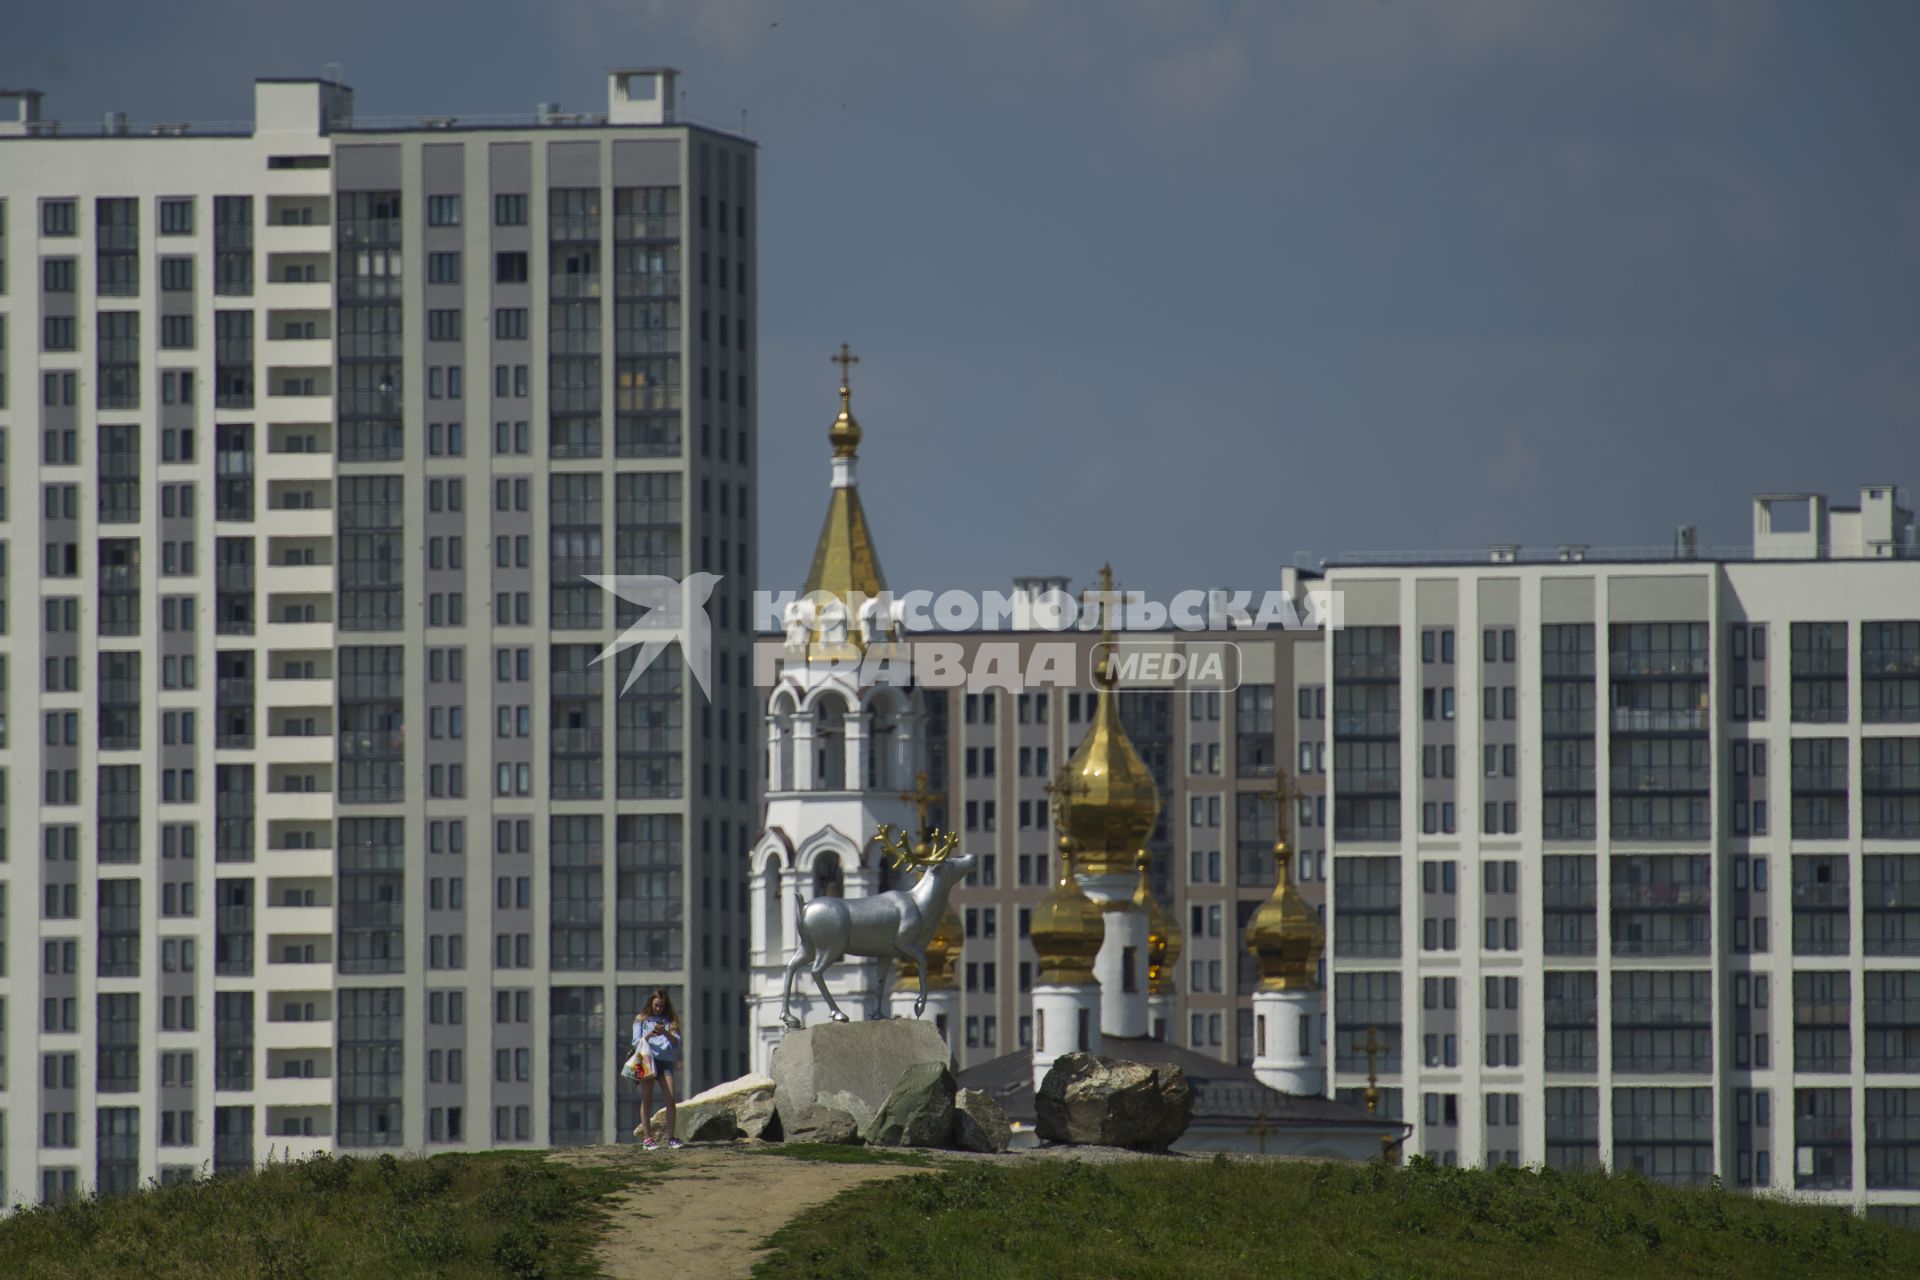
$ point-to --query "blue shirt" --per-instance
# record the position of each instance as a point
(654, 1031)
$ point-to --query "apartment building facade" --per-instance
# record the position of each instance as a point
(1626, 855)
(322, 828)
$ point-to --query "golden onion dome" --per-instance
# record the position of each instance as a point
(1164, 939)
(1285, 934)
(943, 956)
(1112, 799)
(1066, 928)
(844, 434)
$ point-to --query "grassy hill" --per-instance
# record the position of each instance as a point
(463, 1217)
(1229, 1220)
(515, 1214)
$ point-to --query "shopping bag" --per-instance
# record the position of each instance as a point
(639, 1065)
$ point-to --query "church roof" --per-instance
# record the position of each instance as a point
(1224, 1093)
(845, 563)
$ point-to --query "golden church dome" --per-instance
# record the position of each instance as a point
(1110, 801)
(943, 956)
(844, 434)
(1164, 939)
(845, 563)
(1066, 928)
(1285, 934)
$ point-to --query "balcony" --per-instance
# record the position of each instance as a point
(1366, 666)
(296, 580)
(1367, 724)
(303, 238)
(647, 284)
(1819, 662)
(1659, 779)
(1567, 724)
(574, 284)
(1896, 661)
(1820, 779)
(1890, 777)
(1372, 782)
(298, 295)
(1659, 720)
(1815, 893)
(292, 694)
(1658, 664)
(278, 1034)
(1661, 897)
(1574, 781)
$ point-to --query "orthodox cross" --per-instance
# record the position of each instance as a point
(1282, 798)
(1372, 1047)
(846, 360)
(1260, 1128)
(923, 798)
(1106, 597)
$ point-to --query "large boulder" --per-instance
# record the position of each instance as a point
(979, 1123)
(741, 1108)
(1092, 1100)
(919, 1111)
(850, 1066)
(731, 1090)
(819, 1124)
(707, 1122)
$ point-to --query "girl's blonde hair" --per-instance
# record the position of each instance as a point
(666, 1007)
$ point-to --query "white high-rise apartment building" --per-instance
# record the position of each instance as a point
(1626, 854)
(320, 829)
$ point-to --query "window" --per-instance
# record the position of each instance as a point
(57, 218)
(443, 211)
(510, 268)
(176, 217)
(510, 210)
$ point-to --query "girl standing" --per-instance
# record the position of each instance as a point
(658, 1027)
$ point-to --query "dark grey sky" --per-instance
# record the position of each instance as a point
(1194, 286)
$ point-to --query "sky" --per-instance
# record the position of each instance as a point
(1206, 289)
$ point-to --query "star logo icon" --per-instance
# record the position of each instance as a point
(671, 609)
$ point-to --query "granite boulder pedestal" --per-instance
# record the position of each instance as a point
(853, 1067)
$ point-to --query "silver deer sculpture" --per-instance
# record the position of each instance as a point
(881, 926)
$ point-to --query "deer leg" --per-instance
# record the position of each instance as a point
(820, 965)
(919, 957)
(880, 997)
(800, 959)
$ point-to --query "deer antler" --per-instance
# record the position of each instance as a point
(901, 853)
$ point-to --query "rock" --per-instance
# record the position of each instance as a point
(1100, 1101)
(752, 1082)
(919, 1111)
(819, 1124)
(708, 1122)
(757, 1117)
(740, 1108)
(979, 1123)
(851, 1066)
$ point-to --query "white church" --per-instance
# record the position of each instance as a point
(844, 759)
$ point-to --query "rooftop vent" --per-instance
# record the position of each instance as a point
(1686, 543)
(1504, 552)
(1573, 552)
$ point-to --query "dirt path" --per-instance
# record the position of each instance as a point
(712, 1208)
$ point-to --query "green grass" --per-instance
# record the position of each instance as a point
(845, 1153)
(463, 1217)
(1236, 1220)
